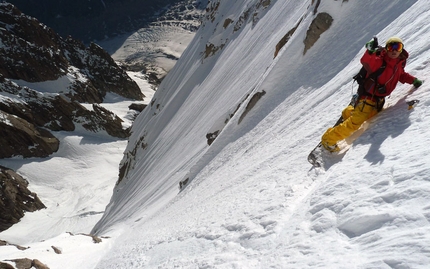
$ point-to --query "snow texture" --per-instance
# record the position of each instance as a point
(252, 199)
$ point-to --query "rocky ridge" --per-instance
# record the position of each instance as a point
(44, 78)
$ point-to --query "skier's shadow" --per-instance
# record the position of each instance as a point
(390, 122)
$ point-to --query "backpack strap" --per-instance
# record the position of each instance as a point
(378, 72)
(362, 78)
(362, 74)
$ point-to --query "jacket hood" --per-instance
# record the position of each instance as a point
(404, 55)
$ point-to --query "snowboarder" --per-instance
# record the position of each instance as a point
(384, 68)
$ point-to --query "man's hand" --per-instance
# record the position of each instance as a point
(372, 45)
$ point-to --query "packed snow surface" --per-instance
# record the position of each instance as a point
(252, 199)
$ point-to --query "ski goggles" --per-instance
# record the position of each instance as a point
(395, 46)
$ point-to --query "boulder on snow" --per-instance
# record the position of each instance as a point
(211, 49)
(137, 107)
(15, 198)
(4, 243)
(254, 99)
(56, 250)
(6, 266)
(319, 25)
(102, 119)
(24, 263)
(284, 40)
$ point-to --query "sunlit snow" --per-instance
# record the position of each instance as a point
(252, 199)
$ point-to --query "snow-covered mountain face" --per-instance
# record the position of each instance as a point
(233, 123)
(219, 63)
(154, 49)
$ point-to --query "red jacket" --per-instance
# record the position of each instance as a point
(393, 72)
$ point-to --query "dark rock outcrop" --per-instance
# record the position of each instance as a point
(319, 25)
(6, 266)
(102, 119)
(27, 123)
(24, 263)
(285, 39)
(18, 137)
(15, 198)
(28, 48)
(254, 99)
(4, 243)
(137, 107)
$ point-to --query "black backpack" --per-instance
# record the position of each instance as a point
(363, 82)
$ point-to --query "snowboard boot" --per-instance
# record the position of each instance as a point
(331, 148)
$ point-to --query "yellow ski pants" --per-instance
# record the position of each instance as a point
(353, 118)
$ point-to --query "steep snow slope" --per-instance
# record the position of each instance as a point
(252, 200)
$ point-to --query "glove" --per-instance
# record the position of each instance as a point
(417, 83)
(371, 46)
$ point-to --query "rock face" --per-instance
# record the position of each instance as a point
(15, 198)
(319, 25)
(43, 81)
(19, 137)
(32, 53)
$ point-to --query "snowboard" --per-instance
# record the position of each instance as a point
(320, 157)
(316, 157)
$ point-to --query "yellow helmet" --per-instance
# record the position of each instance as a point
(394, 39)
